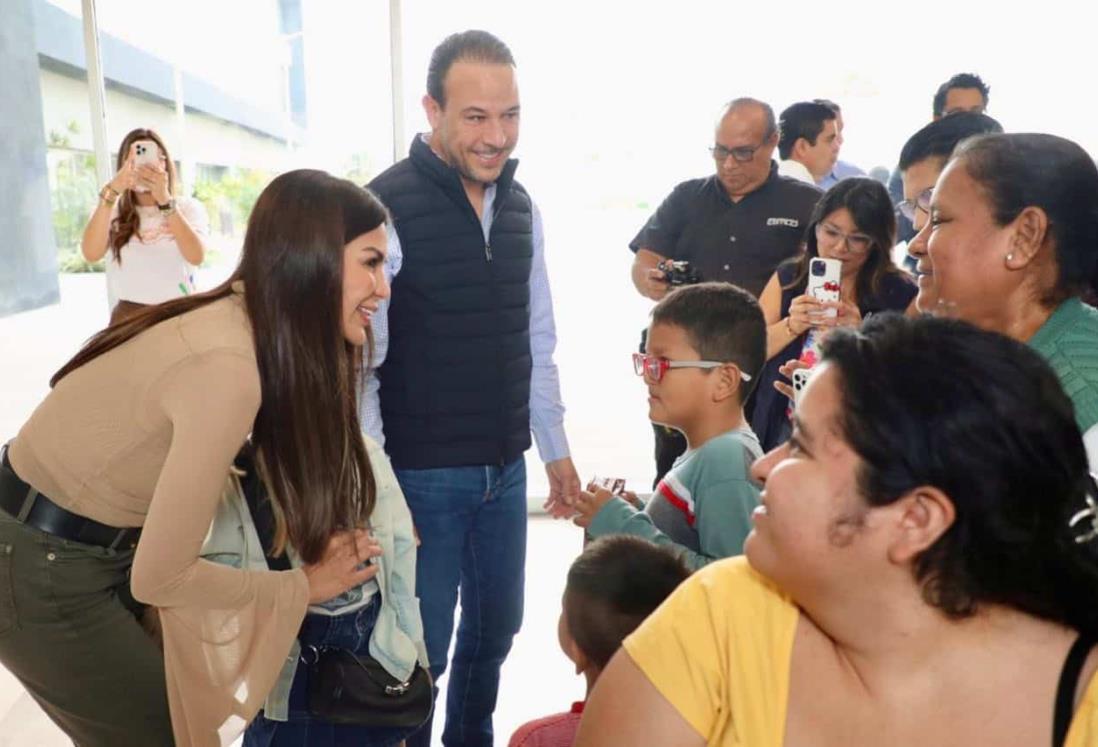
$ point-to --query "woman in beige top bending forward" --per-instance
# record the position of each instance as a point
(113, 482)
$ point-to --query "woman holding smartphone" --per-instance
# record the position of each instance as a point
(114, 480)
(853, 224)
(153, 240)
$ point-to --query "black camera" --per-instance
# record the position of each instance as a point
(678, 272)
(819, 269)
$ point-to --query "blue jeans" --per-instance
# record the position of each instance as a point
(351, 631)
(472, 526)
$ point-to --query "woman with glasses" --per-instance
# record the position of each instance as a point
(1011, 245)
(853, 223)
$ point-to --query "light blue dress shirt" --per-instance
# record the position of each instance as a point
(842, 170)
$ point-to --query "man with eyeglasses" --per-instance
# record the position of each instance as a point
(921, 162)
(736, 225)
(964, 92)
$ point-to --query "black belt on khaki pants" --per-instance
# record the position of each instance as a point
(30, 507)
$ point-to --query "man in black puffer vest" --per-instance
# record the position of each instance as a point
(469, 369)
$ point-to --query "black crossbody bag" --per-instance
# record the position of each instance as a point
(344, 687)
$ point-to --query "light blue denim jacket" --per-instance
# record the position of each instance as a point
(397, 639)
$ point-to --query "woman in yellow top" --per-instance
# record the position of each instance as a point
(923, 568)
(136, 438)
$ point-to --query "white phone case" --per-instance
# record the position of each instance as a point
(145, 152)
(800, 381)
(824, 278)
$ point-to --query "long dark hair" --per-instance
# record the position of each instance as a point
(125, 224)
(306, 435)
(1021, 170)
(873, 214)
(983, 418)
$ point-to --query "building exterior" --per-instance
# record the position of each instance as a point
(223, 83)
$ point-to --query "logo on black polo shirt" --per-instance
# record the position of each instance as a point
(791, 222)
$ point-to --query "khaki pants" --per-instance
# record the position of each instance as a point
(69, 632)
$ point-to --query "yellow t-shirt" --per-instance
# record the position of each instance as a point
(719, 650)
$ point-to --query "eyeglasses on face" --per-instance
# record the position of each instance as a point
(655, 367)
(742, 154)
(856, 243)
(921, 202)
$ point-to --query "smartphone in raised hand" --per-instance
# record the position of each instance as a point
(145, 153)
(799, 379)
(825, 282)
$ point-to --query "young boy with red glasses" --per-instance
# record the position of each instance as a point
(705, 344)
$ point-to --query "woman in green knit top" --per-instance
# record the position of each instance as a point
(1012, 246)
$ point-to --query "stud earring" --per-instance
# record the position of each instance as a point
(1010, 257)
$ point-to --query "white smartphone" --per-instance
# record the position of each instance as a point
(800, 381)
(145, 152)
(824, 282)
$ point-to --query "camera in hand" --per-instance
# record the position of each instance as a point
(678, 272)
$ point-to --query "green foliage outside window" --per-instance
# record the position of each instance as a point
(73, 194)
(230, 199)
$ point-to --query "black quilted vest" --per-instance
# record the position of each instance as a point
(455, 384)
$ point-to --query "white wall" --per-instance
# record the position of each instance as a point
(208, 140)
(234, 43)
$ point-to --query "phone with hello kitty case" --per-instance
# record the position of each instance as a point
(824, 282)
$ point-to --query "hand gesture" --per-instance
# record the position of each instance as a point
(590, 503)
(344, 565)
(846, 313)
(806, 312)
(787, 370)
(126, 177)
(155, 179)
(655, 284)
(564, 486)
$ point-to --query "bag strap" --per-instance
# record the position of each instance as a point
(259, 504)
(1069, 682)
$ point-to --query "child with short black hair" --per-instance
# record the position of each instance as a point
(612, 587)
(705, 344)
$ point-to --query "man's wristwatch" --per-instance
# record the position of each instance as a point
(108, 195)
(167, 208)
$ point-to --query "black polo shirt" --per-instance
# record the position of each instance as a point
(737, 242)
